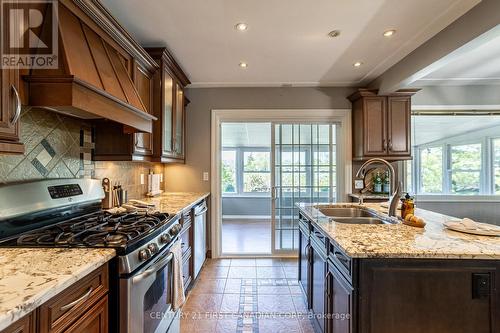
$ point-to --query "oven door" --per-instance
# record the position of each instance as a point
(146, 297)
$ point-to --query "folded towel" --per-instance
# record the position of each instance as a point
(178, 292)
(469, 224)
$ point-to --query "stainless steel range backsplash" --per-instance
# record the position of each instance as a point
(58, 146)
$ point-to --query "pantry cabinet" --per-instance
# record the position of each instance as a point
(169, 106)
(381, 125)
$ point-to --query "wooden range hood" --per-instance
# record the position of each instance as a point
(93, 80)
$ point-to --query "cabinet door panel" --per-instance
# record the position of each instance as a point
(304, 269)
(399, 126)
(434, 297)
(179, 122)
(168, 114)
(340, 302)
(375, 119)
(143, 142)
(318, 287)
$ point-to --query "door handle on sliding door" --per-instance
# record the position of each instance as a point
(274, 192)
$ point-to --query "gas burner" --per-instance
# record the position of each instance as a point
(99, 229)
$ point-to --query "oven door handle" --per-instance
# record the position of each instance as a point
(156, 267)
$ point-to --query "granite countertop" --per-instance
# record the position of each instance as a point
(402, 241)
(29, 277)
(174, 203)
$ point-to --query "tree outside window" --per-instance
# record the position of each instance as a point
(466, 169)
(431, 170)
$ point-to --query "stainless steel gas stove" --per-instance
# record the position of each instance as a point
(67, 213)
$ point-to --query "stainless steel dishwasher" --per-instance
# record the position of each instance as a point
(200, 236)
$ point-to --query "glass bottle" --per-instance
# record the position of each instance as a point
(377, 183)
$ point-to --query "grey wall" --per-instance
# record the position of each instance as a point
(487, 212)
(188, 177)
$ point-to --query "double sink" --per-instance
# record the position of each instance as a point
(352, 215)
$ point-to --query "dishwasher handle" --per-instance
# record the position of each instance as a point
(200, 209)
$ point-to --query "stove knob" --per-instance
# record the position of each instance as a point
(144, 254)
(165, 238)
(153, 248)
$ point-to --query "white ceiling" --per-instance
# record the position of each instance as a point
(480, 65)
(246, 135)
(428, 129)
(287, 41)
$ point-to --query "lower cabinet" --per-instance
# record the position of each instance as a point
(339, 304)
(23, 325)
(186, 238)
(304, 260)
(318, 284)
(82, 307)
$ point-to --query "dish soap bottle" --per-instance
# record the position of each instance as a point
(407, 206)
(377, 183)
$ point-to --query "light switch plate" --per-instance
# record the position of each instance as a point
(205, 176)
(359, 184)
(142, 179)
(161, 178)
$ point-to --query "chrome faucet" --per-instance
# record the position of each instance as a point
(395, 188)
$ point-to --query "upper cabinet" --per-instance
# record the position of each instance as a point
(10, 110)
(381, 125)
(169, 105)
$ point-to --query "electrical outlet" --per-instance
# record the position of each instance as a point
(359, 184)
(142, 179)
(205, 176)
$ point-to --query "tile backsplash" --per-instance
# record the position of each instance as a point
(59, 146)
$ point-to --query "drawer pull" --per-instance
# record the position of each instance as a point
(75, 302)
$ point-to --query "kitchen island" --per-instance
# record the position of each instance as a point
(396, 278)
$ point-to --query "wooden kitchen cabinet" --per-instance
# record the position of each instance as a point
(381, 125)
(186, 237)
(169, 105)
(82, 307)
(318, 282)
(10, 111)
(304, 260)
(23, 325)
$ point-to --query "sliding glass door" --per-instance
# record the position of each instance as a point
(304, 163)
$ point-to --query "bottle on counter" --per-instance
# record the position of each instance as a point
(386, 184)
(377, 183)
(407, 206)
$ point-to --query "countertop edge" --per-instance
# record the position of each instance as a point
(35, 301)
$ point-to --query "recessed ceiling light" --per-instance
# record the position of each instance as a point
(241, 26)
(334, 33)
(243, 64)
(357, 64)
(389, 33)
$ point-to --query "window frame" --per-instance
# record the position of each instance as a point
(487, 172)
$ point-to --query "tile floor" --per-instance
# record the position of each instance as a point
(246, 295)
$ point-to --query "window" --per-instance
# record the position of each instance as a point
(431, 170)
(455, 155)
(466, 169)
(228, 171)
(256, 171)
(496, 165)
